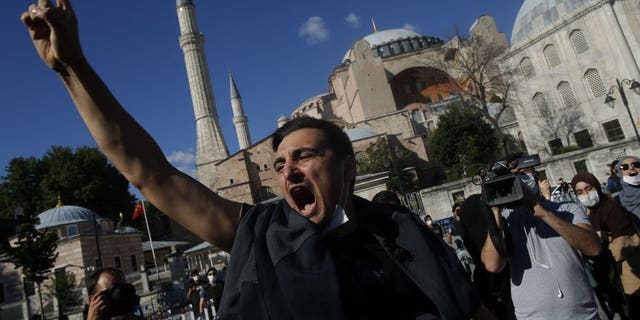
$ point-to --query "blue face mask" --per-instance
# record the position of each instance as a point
(529, 181)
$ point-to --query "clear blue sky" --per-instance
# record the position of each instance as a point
(134, 47)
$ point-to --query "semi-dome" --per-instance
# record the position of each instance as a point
(65, 215)
(535, 15)
(394, 41)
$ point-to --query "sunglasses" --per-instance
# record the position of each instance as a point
(625, 166)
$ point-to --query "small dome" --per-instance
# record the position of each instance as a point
(356, 134)
(65, 215)
(536, 15)
(124, 230)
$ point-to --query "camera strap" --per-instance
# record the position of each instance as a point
(501, 240)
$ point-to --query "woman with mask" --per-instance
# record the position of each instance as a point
(617, 230)
(629, 172)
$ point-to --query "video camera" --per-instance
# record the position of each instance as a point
(499, 185)
(122, 298)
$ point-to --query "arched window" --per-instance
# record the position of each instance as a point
(540, 101)
(551, 54)
(526, 67)
(566, 94)
(578, 41)
(592, 76)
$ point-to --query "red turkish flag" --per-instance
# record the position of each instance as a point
(138, 211)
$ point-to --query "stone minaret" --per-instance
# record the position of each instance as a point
(239, 119)
(211, 145)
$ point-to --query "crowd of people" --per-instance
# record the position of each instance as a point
(322, 252)
(572, 252)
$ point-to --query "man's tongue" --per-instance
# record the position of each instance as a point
(305, 201)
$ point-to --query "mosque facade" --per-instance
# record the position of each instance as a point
(563, 58)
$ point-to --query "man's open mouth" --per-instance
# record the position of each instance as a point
(304, 200)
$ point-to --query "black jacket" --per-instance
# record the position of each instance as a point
(281, 269)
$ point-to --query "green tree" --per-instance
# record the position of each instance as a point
(462, 142)
(33, 251)
(379, 158)
(474, 61)
(80, 177)
(63, 287)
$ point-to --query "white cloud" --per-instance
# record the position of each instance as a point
(411, 27)
(353, 20)
(185, 161)
(314, 30)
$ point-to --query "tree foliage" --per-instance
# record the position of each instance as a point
(474, 62)
(82, 177)
(379, 158)
(64, 288)
(34, 251)
(462, 142)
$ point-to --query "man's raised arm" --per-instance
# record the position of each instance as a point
(130, 148)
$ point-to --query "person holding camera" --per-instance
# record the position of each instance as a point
(110, 296)
(548, 279)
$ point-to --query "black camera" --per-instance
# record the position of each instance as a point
(500, 186)
(122, 298)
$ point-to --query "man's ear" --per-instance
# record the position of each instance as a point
(350, 167)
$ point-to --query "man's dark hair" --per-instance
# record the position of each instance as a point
(337, 139)
(386, 196)
(92, 281)
(212, 269)
(454, 206)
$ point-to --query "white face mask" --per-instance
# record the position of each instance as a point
(211, 278)
(590, 199)
(195, 278)
(529, 181)
(632, 180)
(429, 223)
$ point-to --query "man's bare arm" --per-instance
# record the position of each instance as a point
(489, 255)
(129, 147)
(580, 236)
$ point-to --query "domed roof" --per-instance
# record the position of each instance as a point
(125, 229)
(65, 215)
(356, 134)
(535, 15)
(379, 37)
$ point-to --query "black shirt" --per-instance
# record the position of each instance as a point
(371, 285)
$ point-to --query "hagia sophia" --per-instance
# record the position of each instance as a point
(561, 63)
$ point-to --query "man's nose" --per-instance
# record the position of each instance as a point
(291, 173)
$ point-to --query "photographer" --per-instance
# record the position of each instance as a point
(110, 296)
(548, 280)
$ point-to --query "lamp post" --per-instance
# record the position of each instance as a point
(609, 100)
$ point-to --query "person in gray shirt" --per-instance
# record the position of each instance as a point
(548, 280)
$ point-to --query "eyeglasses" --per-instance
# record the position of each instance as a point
(211, 274)
(625, 166)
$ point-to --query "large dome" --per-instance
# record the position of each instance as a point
(413, 40)
(65, 215)
(535, 15)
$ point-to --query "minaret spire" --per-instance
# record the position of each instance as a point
(373, 24)
(240, 121)
(211, 146)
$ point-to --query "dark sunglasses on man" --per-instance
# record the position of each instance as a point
(625, 166)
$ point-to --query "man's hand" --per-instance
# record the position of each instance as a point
(545, 188)
(54, 32)
(97, 306)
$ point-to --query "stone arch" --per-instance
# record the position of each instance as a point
(423, 85)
